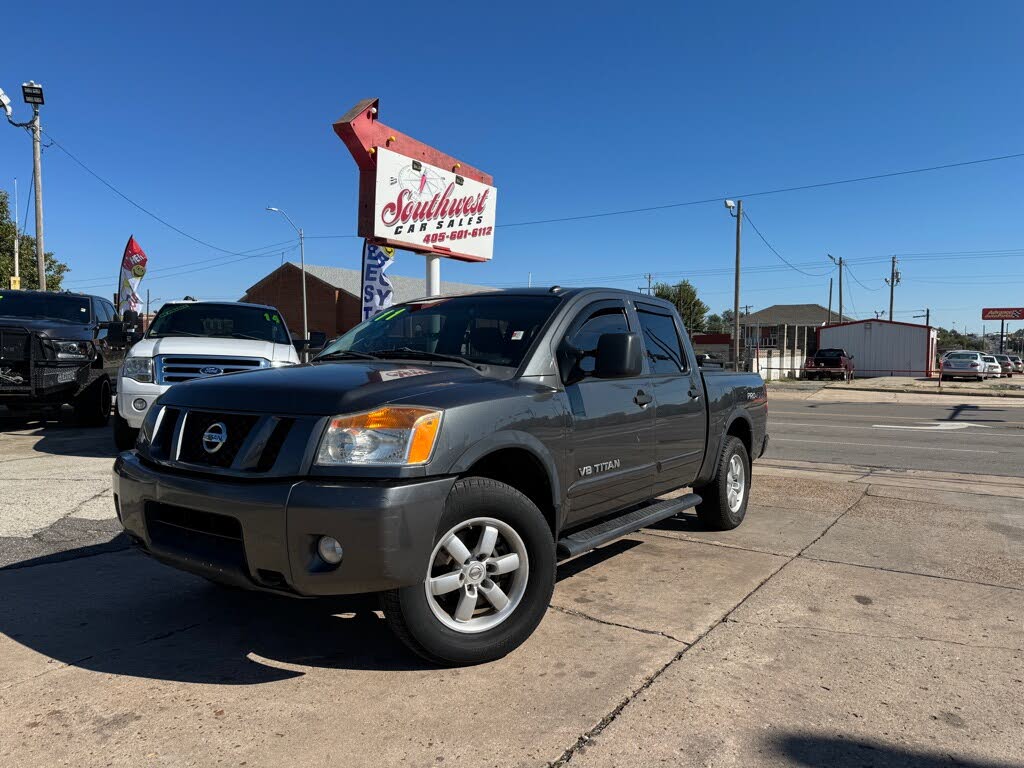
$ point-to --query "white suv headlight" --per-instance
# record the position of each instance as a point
(138, 368)
(390, 436)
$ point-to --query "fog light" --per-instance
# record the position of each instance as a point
(139, 404)
(329, 549)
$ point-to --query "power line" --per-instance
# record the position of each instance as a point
(719, 198)
(127, 199)
(779, 255)
(858, 282)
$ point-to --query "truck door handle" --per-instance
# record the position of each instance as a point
(642, 399)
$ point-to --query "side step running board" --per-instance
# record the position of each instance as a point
(584, 540)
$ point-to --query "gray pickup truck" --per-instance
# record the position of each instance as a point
(446, 455)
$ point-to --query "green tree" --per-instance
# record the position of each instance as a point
(684, 296)
(28, 268)
(715, 324)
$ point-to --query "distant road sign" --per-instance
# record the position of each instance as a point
(1002, 313)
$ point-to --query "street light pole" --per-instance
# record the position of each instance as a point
(302, 261)
(736, 210)
(32, 93)
(37, 170)
(17, 236)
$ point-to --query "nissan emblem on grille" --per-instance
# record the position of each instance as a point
(211, 370)
(214, 437)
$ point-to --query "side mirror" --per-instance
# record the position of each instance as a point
(317, 339)
(115, 333)
(618, 355)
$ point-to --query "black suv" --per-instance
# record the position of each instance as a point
(56, 349)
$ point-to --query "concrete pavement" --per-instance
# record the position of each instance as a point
(859, 616)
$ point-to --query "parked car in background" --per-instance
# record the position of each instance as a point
(195, 340)
(1018, 363)
(829, 364)
(1006, 364)
(992, 367)
(964, 364)
(58, 349)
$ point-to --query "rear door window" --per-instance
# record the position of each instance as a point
(661, 341)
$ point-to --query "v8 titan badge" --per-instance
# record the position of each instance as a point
(425, 207)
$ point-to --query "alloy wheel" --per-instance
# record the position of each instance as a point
(477, 575)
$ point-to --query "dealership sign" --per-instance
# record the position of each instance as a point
(1002, 313)
(420, 206)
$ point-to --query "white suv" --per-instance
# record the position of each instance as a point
(193, 340)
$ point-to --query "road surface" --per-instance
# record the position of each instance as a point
(978, 439)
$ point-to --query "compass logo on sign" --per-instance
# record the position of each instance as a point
(215, 436)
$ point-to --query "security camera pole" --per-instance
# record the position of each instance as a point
(736, 211)
(32, 93)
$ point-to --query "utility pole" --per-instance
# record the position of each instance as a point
(302, 262)
(650, 290)
(1002, 335)
(840, 263)
(736, 211)
(927, 316)
(829, 302)
(892, 282)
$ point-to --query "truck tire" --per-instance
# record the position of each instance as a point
(488, 582)
(124, 435)
(724, 499)
(92, 405)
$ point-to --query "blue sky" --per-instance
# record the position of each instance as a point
(204, 113)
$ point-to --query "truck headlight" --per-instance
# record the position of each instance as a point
(138, 368)
(391, 436)
(71, 350)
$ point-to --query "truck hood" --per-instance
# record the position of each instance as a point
(47, 326)
(219, 347)
(322, 389)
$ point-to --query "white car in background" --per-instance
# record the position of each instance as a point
(193, 340)
(992, 366)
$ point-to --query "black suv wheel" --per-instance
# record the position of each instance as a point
(92, 405)
(488, 582)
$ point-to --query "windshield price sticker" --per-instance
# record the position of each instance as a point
(421, 205)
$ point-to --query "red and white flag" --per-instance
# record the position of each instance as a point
(133, 268)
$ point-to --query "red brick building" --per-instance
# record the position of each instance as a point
(332, 295)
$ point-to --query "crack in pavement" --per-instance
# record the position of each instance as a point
(922, 638)
(911, 573)
(587, 738)
(581, 615)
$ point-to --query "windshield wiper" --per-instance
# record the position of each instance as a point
(237, 335)
(177, 333)
(422, 353)
(346, 353)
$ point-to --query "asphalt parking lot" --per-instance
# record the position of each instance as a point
(859, 617)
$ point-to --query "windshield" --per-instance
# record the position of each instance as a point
(962, 356)
(829, 353)
(486, 329)
(51, 306)
(229, 321)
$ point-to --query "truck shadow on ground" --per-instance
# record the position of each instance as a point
(835, 752)
(63, 438)
(121, 613)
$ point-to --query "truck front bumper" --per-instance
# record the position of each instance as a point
(264, 534)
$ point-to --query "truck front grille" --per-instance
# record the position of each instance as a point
(171, 369)
(197, 449)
